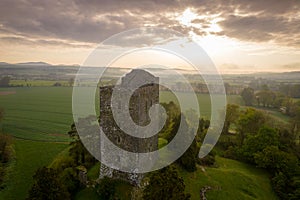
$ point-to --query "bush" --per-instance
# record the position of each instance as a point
(48, 186)
(5, 148)
(165, 184)
(189, 159)
(231, 153)
(208, 160)
(106, 188)
(57, 84)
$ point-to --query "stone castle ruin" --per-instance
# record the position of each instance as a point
(140, 102)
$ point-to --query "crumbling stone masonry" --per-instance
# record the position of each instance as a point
(140, 102)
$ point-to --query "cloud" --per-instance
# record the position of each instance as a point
(92, 21)
(41, 42)
(262, 28)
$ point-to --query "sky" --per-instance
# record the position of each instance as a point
(239, 36)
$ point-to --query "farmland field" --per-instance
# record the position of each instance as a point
(37, 113)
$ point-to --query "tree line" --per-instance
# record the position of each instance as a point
(6, 151)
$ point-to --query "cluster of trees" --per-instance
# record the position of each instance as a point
(165, 184)
(265, 150)
(70, 83)
(257, 141)
(61, 180)
(4, 81)
(268, 98)
(6, 150)
(292, 90)
(6, 153)
(264, 97)
(189, 159)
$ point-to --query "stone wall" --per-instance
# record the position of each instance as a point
(140, 102)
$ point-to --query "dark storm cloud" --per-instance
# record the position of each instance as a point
(261, 28)
(92, 21)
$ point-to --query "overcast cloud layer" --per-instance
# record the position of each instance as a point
(74, 22)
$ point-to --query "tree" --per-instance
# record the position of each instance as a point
(1, 118)
(47, 186)
(70, 179)
(4, 81)
(286, 181)
(258, 142)
(173, 113)
(232, 114)
(1, 114)
(209, 159)
(71, 82)
(296, 121)
(77, 150)
(249, 122)
(165, 184)
(266, 97)
(272, 158)
(279, 100)
(6, 151)
(57, 84)
(5, 148)
(106, 188)
(189, 159)
(248, 96)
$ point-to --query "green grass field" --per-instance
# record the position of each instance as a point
(38, 113)
(230, 180)
(36, 83)
(30, 155)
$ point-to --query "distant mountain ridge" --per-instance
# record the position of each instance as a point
(34, 63)
(38, 64)
(4, 63)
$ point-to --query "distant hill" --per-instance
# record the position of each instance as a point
(35, 63)
(4, 63)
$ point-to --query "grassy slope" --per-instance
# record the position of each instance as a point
(280, 117)
(30, 155)
(230, 180)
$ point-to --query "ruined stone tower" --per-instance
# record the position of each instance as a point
(140, 102)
